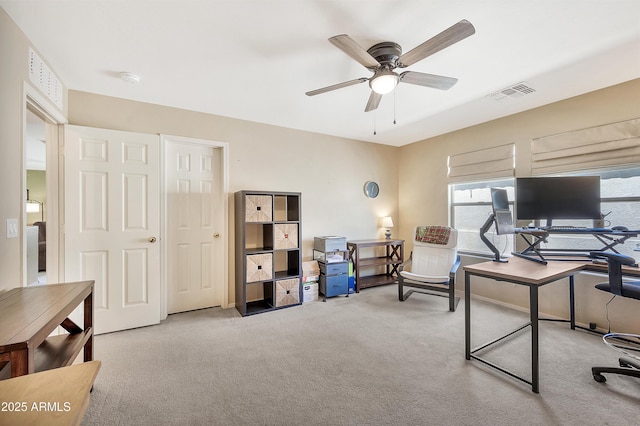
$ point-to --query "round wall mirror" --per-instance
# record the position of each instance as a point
(371, 189)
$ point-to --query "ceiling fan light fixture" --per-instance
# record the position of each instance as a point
(384, 81)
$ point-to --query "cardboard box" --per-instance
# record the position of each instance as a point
(310, 271)
(310, 267)
(309, 292)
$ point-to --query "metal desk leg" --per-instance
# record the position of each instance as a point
(572, 304)
(535, 361)
(467, 315)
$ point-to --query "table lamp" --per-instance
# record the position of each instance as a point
(35, 206)
(387, 222)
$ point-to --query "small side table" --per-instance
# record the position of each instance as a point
(385, 266)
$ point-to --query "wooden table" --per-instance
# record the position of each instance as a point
(390, 261)
(55, 397)
(523, 272)
(30, 314)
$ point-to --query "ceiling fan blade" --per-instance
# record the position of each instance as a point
(374, 101)
(336, 86)
(353, 49)
(446, 38)
(428, 80)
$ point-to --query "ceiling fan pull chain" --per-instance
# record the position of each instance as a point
(394, 107)
(374, 123)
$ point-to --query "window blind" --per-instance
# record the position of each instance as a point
(482, 164)
(596, 147)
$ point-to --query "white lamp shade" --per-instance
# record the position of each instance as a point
(384, 81)
(33, 207)
(387, 222)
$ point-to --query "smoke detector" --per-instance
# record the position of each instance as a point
(129, 77)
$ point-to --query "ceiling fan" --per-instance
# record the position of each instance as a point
(383, 58)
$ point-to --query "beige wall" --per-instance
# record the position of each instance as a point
(423, 184)
(329, 172)
(14, 55)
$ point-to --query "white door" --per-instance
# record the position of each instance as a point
(112, 223)
(194, 198)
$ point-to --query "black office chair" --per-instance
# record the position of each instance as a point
(628, 344)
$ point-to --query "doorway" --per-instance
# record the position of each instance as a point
(111, 215)
(40, 251)
(36, 176)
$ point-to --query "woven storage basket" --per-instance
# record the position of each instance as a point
(287, 292)
(258, 208)
(259, 267)
(285, 235)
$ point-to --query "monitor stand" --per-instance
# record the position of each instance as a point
(531, 258)
(490, 221)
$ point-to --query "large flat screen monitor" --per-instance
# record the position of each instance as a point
(564, 197)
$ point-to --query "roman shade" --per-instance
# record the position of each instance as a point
(608, 145)
(495, 162)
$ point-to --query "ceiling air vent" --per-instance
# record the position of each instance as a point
(512, 92)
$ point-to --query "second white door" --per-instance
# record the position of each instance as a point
(194, 198)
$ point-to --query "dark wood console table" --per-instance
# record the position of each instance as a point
(390, 261)
(30, 314)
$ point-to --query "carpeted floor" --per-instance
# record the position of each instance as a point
(364, 360)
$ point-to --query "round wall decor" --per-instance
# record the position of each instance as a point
(371, 189)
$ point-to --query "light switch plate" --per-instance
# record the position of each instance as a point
(12, 228)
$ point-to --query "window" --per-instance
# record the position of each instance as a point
(620, 202)
(470, 209)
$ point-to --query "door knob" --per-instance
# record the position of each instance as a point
(216, 235)
(152, 239)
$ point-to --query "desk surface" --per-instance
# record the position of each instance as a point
(526, 271)
(529, 272)
(364, 243)
(54, 397)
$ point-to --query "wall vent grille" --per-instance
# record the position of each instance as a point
(512, 92)
(44, 79)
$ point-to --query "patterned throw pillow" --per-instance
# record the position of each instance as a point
(433, 234)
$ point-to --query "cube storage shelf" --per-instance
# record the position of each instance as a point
(268, 251)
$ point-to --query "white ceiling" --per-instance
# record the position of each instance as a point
(255, 59)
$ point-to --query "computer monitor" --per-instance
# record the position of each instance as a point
(501, 211)
(561, 197)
